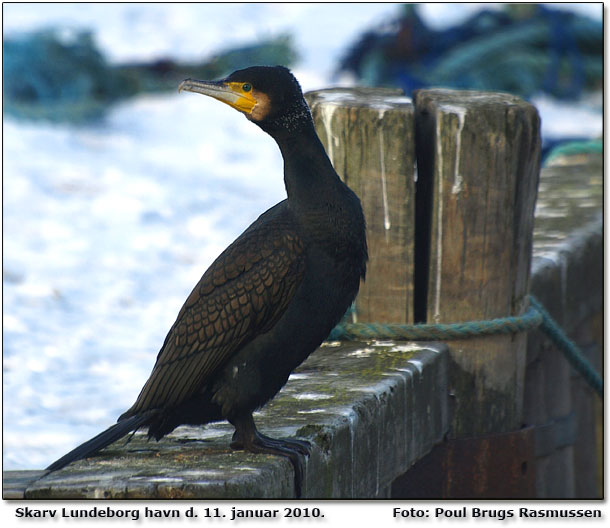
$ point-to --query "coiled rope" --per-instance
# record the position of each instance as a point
(535, 317)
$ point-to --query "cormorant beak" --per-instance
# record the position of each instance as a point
(231, 93)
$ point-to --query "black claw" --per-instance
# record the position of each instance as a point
(301, 446)
(247, 437)
(299, 473)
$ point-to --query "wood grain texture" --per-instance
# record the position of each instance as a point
(481, 163)
(369, 137)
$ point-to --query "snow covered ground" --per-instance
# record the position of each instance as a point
(108, 227)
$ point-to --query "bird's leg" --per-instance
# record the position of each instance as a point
(247, 437)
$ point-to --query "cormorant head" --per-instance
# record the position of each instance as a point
(269, 96)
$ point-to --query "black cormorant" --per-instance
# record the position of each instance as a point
(270, 299)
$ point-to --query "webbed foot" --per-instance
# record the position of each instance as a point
(247, 437)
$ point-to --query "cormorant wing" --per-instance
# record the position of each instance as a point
(241, 295)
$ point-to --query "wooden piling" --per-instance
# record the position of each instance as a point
(478, 167)
(369, 137)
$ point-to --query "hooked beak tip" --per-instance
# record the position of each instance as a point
(182, 85)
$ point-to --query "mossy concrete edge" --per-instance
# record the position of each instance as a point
(370, 410)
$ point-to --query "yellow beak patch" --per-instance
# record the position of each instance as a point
(246, 101)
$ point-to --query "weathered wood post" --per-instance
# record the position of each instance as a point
(454, 247)
(478, 165)
(369, 136)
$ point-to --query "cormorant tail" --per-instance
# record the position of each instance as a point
(105, 438)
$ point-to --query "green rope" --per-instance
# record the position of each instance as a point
(571, 352)
(535, 317)
(434, 332)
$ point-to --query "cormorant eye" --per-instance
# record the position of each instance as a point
(246, 87)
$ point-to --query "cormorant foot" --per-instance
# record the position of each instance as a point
(248, 438)
(301, 446)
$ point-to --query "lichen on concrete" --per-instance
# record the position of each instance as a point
(357, 403)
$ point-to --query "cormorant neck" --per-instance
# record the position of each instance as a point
(309, 176)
